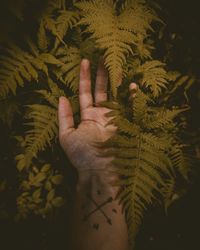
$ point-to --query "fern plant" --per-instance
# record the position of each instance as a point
(149, 154)
(116, 34)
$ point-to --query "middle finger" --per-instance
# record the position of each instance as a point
(101, 83)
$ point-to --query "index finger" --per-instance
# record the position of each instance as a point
(85, 95)
(101, 83)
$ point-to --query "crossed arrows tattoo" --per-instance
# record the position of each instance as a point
(99, 207)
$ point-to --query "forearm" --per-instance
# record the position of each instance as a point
(98, 221)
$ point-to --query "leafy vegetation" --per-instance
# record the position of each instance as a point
(150, 155)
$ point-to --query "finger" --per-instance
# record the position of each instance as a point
(65, 117)
(133, 89)
(85, 96)
(101, 83)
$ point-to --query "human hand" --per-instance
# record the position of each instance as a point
(78, 143)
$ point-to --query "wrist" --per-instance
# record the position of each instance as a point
(100, 179)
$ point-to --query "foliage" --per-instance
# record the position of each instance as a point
(147, 156)
(149, 153)
(116, 33)
(38, 192)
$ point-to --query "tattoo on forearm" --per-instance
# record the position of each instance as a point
(98, 207)
(114, 211)
(96, 226)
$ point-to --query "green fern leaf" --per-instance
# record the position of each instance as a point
(66, 20)
(159, 142)
(154, 77)
(42, 37)
(44, 129)
(162, 118)
(140, 107)
(115, 33)
(169, 193)
(68, 73)
(18, 67)
(181, 161)
(143, 180)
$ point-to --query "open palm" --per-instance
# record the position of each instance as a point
(78, 143)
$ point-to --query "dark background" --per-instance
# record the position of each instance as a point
(180, 229)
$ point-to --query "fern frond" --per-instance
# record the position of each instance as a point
(42, 38)
(43, 120)
(141, 17)
(58, 26)
(140, 106)
(141, 161)
(51, 96)
(163, 118)
(18, 67)
(143, 180)
(169, 193)
(51, 99)
(161, 142)
(68, 73)
(179, 81)
(154, 76)
(125, 126)
(141, 158)
(144, 48)
(66, 20)
(116, 34)
(180, 160)
(50, 24)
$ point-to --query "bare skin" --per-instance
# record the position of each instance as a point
(98, 220)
